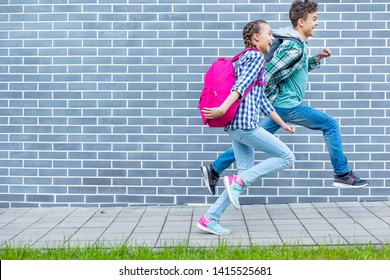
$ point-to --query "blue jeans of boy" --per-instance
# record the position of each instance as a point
(307, 117)
(245, 142)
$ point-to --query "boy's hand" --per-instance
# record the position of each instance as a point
(324, 53)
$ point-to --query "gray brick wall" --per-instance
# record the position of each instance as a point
(98, 100)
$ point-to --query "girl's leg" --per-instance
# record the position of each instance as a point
(261, 140)
(245, 159)
(244, 143)
(218, 207)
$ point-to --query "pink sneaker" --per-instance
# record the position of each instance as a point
(212, 226)
(233, 190)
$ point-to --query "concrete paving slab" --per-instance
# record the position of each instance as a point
(47, 244)
(330, 241)
(299, 241)
(294, 234)
(203, 243)
(265, 225)
(266, 242)
(263, 234)
(362, 239)
(259, 223)
(324, 233)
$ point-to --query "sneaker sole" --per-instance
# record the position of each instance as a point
(206, 179)
(345, 186)
(206, 229)
(229, 192)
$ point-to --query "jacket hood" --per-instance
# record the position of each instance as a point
(288, 32)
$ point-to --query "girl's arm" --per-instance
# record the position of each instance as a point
(276, 118)
(253, 64)
(213, 113)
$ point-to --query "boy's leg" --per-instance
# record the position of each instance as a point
(269, 125)
(210, 174)
(314, 119)
(224, 161)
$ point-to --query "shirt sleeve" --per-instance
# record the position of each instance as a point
(313, 63)
(266, 107)
(286, 55)
(252, 65)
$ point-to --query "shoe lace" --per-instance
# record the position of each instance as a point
(352, 175)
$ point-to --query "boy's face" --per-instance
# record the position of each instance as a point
(309, 24)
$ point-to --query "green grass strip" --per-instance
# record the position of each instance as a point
(183, 252)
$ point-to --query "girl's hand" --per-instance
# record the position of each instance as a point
(290, 128)
(212, 113)
(276, 118)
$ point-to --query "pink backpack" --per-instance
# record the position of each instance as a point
(218, 82)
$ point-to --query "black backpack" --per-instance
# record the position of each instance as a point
(279, 40)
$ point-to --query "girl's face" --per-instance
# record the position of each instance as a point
(264, 38)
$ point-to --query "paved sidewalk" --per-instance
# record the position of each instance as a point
(292, 224)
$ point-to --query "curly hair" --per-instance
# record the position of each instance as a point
(301, 9)
(250, 29)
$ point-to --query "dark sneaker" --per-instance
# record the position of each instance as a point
(209, 179)
(349, 181)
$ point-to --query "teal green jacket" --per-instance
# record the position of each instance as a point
(279, 67)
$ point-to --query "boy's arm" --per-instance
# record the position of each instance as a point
(287, 54)
(315, 61)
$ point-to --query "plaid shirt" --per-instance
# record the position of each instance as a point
(277, 69)
(248, 69)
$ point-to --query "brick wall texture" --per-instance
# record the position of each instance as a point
(98, 100)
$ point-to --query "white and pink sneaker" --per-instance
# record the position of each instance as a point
(212, 226)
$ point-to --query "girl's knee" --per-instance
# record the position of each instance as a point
(290, 159)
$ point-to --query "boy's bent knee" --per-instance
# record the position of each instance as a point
(332, 123)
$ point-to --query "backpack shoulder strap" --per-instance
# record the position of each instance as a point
(296, 40)
(288, 38)
(256, 82)
(236, 57)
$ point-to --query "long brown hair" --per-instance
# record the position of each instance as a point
(250, 29)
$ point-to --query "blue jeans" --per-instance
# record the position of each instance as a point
(244, 143)
(307, 117)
